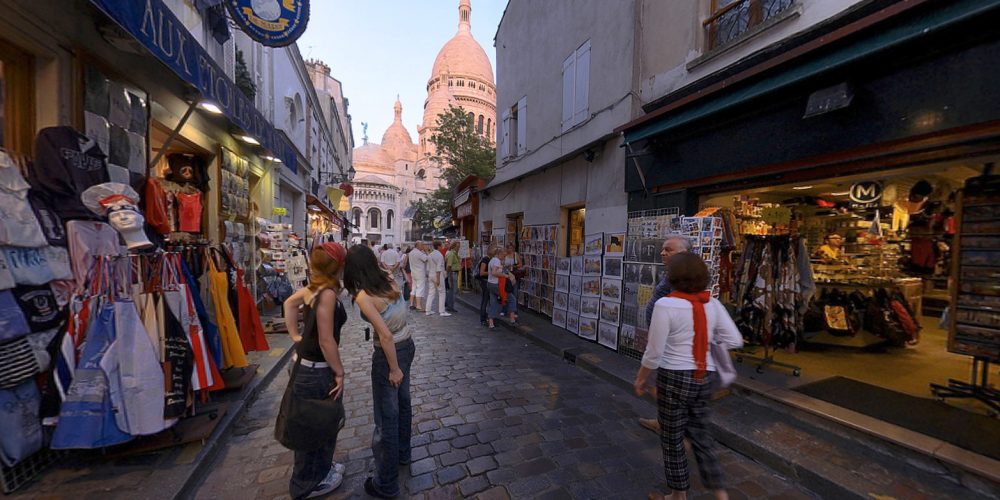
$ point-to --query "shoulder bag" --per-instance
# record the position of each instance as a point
(307, 424)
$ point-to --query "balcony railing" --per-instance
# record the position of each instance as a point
(729, 22)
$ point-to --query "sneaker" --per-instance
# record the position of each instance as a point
(445, 314)
(328, 484)
(429, 313)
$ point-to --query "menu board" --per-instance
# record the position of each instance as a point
(538, 253)
(975, 322)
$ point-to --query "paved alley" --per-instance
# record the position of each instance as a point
(495, 416)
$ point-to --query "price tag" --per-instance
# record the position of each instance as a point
(777, 216)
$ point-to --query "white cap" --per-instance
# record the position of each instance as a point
(101, 198)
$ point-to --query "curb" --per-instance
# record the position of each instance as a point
(202, 464)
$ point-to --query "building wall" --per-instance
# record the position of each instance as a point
(674, 49)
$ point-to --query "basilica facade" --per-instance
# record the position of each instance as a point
(396, 172)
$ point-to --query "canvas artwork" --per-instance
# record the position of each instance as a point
(572, 323)
(611, 312)
(576, 265)
(559, 318)
(614, 244)
(560, 300)
(627, 337)
(562, 265)
(611, 289)
(562, 283)
(576, 284)
(591, 286)
(593, 244)
(590, 307)
(607, 335)
(588, 328)
(573, 304)
(613, 267)
(591, 265)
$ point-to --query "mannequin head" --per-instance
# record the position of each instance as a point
(128, 222)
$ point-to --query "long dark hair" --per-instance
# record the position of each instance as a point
(362, 272)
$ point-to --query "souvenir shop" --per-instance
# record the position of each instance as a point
(128, 245)
(841, 204)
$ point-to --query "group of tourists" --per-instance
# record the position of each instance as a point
(689, 334)
(429, 272)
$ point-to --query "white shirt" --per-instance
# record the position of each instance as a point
(418, 264)
(389, 258)
(495, 265)
(671, 334)
(435, 263)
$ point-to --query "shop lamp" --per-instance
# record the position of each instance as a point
(270, 158)
(249, 140)
(842, 193)
(801, 188)
(211, 107)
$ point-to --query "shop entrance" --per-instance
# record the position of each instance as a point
(878, 249)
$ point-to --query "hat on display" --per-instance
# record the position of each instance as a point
(109, 196)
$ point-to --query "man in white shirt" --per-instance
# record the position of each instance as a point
(435, 280)
(390, 260)
(418, 268)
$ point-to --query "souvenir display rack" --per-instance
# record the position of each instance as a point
(538, 252)
(974, 328)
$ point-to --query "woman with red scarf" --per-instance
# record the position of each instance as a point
(683, 324)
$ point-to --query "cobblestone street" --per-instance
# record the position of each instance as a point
(495, 416)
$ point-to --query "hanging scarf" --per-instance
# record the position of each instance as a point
(700, 347)
(502, 285)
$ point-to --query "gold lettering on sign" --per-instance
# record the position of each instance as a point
(289, 5)
(263, 23)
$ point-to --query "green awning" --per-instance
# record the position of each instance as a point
(913, 29)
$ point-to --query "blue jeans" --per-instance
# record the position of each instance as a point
(311, 467)
(484, 303)
(511, 306)
(393, 418)
(494, 300)
(449, 300)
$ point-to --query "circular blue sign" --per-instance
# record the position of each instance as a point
(275, 23)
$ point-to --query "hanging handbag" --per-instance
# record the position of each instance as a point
(723, 365)
(307, 424)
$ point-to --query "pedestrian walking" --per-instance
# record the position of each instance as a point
(435, 281)
(482, 275)
(673, 245)
(452, 265)
(407, 276)
(418, 269)
(682, 326)
(318, 372)
(515, 267)
(390, 260)
(382, 305)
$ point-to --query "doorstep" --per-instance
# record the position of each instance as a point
(978, 472)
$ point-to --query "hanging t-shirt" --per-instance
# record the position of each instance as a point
(97, 128)
(189, 210)
(38, 303)
(29, 266)
(88, 239)
(6, 278)
(18, 226)
(19, 417)
(66, 164)
(187, 169)
(51, 224)
(13, 324)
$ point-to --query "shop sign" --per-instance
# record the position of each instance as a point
(866, 193)
(275, 23)
(154, 25)
(776, 216)
(462, 197)
(463, 249)
(279, 211)
(464, 210)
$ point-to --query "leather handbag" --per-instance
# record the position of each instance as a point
(724, 368)
(307, 424)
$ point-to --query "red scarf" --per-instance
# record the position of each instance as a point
(700, 347)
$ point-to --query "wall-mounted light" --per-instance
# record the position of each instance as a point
(270, 158)
(248, 139)
(211, 107)
(841, 193)
(801, 188)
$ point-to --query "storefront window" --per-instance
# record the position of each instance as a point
(574, 236)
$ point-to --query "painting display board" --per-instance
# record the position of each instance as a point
(538, 252)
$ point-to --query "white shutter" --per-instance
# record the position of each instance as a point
(522, 129)
(504, 135)
(581, 110)
(569, 77)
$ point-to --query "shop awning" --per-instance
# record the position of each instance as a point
(863, 47)
(156, 27)
(312, 201)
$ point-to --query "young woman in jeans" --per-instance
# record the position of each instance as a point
(320, 373)
(684, 323)
(497, 271)
(382, 305)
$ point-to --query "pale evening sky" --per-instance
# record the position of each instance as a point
(380, 48)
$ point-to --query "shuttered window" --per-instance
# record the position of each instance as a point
(576, 87)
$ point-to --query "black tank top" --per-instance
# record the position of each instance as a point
(308, 349)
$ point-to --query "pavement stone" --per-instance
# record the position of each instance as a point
(494, 418)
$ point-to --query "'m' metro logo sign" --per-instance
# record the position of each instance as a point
(866, 192)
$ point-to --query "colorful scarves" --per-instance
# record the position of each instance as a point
(700, 347)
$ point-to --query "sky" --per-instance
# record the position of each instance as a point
(380, 48)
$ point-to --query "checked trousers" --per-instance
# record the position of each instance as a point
(682, 404)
